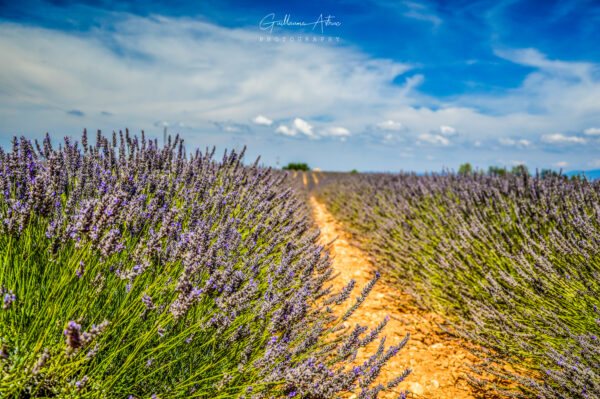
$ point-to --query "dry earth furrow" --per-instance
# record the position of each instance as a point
(436, 359)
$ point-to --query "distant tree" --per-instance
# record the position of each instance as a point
(548, 173)
(497, 171)
(520, 170)
(296, 166)
(577, 176)
(353, 171)
(465, 169)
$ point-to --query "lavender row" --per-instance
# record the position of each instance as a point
(139, 271)
(511, 261)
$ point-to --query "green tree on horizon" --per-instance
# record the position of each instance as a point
(465, 169)
(497, 170)
(520, 170)
(296, 166)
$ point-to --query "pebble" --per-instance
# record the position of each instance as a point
(416, 388)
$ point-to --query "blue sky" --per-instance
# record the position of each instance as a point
(389, 85)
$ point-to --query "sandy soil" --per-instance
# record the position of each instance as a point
(436, 359)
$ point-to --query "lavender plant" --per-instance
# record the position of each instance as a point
(130, 270)
(511, 260)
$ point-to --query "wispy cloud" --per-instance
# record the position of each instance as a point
(202, 78)
(592, 131)
(421, 12)
(534, 58)
(336, 131)
(434, 139)
(509, 142)
(188, 70)
(506, 141)
(229, 127)
(390, 125)
(287, 131)
(524, 143)
(558, 138)
(76, 112)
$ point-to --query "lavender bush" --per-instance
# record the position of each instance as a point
(513, 261)
(133, 271)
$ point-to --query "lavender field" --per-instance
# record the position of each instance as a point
(132, 270)
(316, 199)
(135, 270)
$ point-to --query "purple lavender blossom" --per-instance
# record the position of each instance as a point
(8, 299)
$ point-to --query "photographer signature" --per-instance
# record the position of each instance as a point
(268, 22)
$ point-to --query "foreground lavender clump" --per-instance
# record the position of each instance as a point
(130, 270)
(513, 261)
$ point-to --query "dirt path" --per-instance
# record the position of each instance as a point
(436, 359)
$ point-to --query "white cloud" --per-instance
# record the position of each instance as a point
(304, 127)
(595, 163)
(184, 69)
(227, 126)
(524, 143)
(534, 58)
(412, 82)
(559, 138)
(262, 120)
(447, 130)
(420, 12)
(390, 125)
(301, 126)
(506, 141)
(518, 143)
(335, 131)
(592, 131)
(561, 164)
(434, 139)
(283, 129)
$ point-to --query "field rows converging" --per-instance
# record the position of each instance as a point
(436, 360)
(130, 270)
(319, 199)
